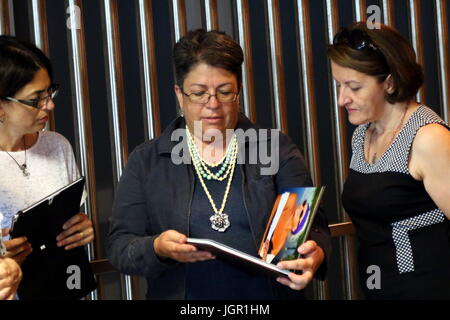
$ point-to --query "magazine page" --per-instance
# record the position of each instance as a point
(289, 223)
(239, 258)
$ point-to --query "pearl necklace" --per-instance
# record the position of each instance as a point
(219, 221)
(224, 170)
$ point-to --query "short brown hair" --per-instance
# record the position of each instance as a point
(215, 48)
(392, 54)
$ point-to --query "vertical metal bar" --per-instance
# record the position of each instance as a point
(40, 37)
(179, 22)
(416, 38)
(148, 69)
(39, 25)
(80, 88)
(444, 56)
(117, 102)
(341, 158)
(360, 10)
(212, 21)
(248, 91)
(179, 18)
(276, 59)
(5, 25)
(388, 13)
(307, 87)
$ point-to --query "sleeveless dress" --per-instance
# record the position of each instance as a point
(403, 236)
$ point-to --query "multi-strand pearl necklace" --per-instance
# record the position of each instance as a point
(226, 162)
(219, 221)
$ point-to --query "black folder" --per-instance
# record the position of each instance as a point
(51, 272)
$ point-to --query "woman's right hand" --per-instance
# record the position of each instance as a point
(10, 276)
(172, 244)
(18, 248)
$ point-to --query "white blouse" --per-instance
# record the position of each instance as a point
(51, 164)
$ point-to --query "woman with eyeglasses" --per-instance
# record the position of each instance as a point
(398, 188)
(34, 163)
(160, 201)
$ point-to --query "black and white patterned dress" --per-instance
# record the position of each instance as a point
(400, 229)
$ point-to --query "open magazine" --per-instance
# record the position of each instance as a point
(288, 227)
(289, 223)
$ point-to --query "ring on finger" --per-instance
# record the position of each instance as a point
(81, 235)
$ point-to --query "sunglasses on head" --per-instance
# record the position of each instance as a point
(356, 38)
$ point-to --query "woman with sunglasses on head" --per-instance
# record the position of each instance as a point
(398, 189)
(34, 163)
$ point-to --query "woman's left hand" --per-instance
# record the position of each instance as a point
(77, 232)
(312, 257)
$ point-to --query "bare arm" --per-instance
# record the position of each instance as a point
(430, 163)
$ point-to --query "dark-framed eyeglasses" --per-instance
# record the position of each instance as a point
(203, 97)
(39, 103)
(356, 38)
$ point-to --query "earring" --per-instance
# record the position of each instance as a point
(181, 113)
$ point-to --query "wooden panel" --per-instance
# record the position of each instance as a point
(388, 13)
(416, 39)
(116, 99)
(307, 86)
(212, 21)
(179, 18)
(276, 59)
(148, 69)
(40, 38)
(310, 113)
(248, 90)
(341, 157)
(360, 10)
(444, 56)
(80, 88)
(5, 26)
(342, 229)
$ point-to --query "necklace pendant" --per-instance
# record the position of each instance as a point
(374, 158)
(24, 170)
(219, 222)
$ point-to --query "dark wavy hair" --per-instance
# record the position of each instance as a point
(214, 48)
(19, 62)
(397, 58)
